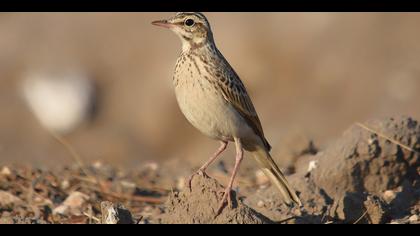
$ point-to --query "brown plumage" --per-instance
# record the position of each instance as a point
(215, 101)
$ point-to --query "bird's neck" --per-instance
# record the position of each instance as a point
(197, 44)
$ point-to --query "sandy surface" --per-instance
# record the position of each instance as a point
(368, 175)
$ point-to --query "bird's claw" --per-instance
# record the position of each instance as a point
(189, 181)
(226, 199)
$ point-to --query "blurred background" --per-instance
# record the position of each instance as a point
(103, 81)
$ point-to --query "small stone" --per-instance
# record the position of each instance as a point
(261, 178)
(97, 165)
(312, 165)
(38, 199)
(8, 199)
(389, 196)
(73, 204)
(115, 214)
(260, 204)
(62, 210)
(148, 209)
(65, 184)
(128, 184)
(5, 171)
(413, 218)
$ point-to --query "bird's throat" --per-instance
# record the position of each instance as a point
(192, 45)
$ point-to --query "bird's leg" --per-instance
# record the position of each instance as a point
(226, 195)
(202, 170)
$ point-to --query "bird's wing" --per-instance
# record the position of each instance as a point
(235, 93)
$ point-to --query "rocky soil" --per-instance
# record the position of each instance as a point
(369, 175)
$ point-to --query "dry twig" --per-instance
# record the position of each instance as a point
(386, 137)
(361, 217)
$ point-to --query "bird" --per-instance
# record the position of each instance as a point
(214, 100)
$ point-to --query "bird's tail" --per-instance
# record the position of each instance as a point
(272, 171)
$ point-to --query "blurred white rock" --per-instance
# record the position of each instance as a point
(60, 101)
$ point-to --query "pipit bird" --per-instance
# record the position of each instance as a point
(214, 100)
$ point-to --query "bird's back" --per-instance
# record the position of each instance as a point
(211, 95)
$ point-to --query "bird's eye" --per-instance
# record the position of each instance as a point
(189, 22)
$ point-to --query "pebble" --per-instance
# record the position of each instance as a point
(65, 184)
(389, 196)
(97, 165)
(115, 213)
(261, 178)
(128, 184)
(72, 204)
(7, 198)
(413, 218)
(312, 165)
(5, 171)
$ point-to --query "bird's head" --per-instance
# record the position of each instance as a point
(191, 27)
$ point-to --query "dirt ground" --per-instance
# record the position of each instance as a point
(368, 175)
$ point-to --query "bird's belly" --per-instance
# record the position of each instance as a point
(208, 112)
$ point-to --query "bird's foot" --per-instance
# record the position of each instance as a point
(199, 172)
(225, 200)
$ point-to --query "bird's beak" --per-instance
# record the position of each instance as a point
(163, 23)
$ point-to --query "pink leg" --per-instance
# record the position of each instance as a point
(226, 195)
(203, 169)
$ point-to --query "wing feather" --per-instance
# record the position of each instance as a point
(235, 93)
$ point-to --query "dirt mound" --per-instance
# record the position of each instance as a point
(200, 206)
(368, 158)
(350, 180)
